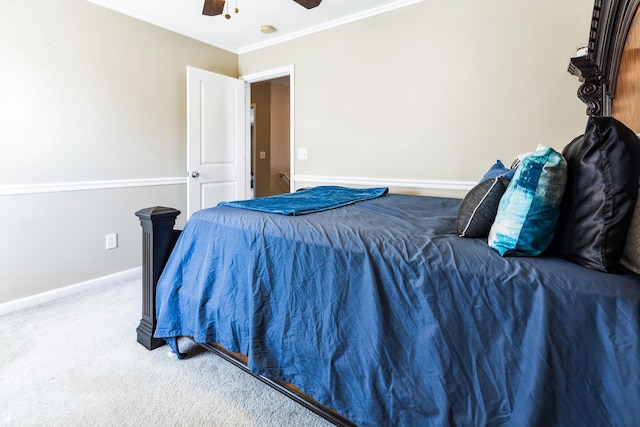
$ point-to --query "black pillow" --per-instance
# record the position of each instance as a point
(603, 167)
(479, 207)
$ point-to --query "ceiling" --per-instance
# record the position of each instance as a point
(242, 32)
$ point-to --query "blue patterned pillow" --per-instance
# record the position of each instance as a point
(528, 211)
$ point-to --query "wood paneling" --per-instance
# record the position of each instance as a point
(626, 103)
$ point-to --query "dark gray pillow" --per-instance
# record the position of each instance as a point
(602, 187)
(479, 207)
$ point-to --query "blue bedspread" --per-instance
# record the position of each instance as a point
(310, 200)
(379, 311)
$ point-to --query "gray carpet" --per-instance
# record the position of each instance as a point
(76, 362)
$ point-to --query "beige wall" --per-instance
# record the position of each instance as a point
(86, 95)
(435, 91)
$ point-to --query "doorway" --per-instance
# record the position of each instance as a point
(270, 145)
(271, 132)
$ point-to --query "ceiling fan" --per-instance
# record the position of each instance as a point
(216, 7)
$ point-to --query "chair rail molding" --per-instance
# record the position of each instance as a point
(389, 182)
(57, 187)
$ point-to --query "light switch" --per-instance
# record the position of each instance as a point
(263, 154)
(302, 153)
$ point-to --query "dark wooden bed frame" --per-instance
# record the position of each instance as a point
(612, 21)
(599, 70)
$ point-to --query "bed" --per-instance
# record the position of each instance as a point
(394, 310)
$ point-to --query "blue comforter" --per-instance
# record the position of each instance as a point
(379, 311)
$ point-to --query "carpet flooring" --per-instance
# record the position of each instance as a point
(76, 362)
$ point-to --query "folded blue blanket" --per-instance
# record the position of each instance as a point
(315, 199)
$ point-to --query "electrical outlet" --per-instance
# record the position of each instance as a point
(111, 240)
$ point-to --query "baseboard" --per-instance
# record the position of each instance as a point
(56, 294)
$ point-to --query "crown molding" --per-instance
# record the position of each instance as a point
(327, 25)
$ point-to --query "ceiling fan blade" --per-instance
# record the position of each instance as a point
(309, 4)
(213, 7)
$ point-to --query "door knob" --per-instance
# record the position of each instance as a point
(195, 174)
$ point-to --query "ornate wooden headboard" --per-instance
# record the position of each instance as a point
(610, 72)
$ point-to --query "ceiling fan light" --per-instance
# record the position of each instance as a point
(268, 29)
(213, 7)
(309, 4)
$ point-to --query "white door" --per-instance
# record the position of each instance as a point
(217, 122)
